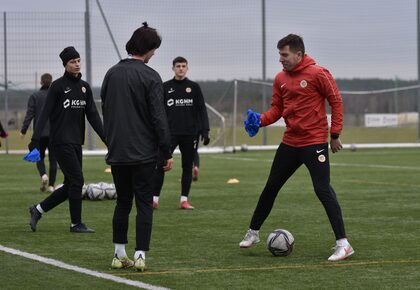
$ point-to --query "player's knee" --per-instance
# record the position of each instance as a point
(77, 182)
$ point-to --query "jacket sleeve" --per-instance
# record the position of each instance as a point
(1, 128)
(44, 116)
(275, 111)
(328, 88)
(103, 90)
(30, 114)
(159, 119)
(203, 118)
(92, 114)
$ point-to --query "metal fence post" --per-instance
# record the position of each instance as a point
(6, 81)
(235, 107)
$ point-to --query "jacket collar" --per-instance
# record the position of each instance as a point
(305, 62)
(72, 77)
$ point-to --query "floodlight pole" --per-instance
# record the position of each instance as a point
(235, 104)
(88, 48)
(264, 69)
(6, 86)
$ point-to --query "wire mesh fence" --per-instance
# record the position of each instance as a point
(222, 41)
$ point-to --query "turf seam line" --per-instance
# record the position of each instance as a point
(282, 267)
(78, 269)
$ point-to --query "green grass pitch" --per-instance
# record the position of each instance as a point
(379, 192)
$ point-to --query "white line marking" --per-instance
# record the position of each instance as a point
(396, 167)
(63, 265)
(376, 166)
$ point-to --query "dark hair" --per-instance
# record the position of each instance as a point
(179, 59)
(46, 79)
(143, 40)
(295, 43)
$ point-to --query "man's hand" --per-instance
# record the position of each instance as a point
(205, 138)
(335, 145)
(168, 165)
(252, 123)
(22, 136)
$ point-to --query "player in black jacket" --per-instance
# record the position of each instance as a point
(69, 100)
(136, 128)
(3, 133)
(187, 117)
(35, 104)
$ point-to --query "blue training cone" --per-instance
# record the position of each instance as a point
(33, 156)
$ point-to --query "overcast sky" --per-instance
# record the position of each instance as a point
(222, 38)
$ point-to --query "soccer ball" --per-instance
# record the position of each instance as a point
(110, 192)
(280, 242)
(95, 192)
(84, 195)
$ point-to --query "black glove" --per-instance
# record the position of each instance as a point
(205, 138)
(34, 144)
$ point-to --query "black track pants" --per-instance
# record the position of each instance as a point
(44, 143)
(133, 181)
(186, 146)
(287, 160)
(69, 157)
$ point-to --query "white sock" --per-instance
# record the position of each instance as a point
(72, 225)
(120, 250)
(184, 198)
(137, 254)
(342, 242)
(39, 208)
(156, 199)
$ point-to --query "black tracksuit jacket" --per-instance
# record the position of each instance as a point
(69, 100)
(35, 104)
(185, 107)
(135, 122)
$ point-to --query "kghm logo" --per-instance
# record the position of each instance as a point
(74, 104)
(184, 102)
(78, 103)
(170, 102)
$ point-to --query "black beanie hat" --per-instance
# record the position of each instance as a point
(69, 53)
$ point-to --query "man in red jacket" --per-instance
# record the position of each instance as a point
(299, 93)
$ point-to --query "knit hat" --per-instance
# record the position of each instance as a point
(69, 53)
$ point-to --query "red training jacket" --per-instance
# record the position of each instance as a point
(299, 97)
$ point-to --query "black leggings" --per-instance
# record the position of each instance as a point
(287, 160)
(69, 157)
(133, 181)
(186, 146)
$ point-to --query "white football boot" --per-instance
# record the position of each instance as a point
(252, 237)
(140, 264)
(341, 253)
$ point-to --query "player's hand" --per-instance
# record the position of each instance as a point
(335, 145)
(34, 144)
(205, 138)
(252, 123)
(22, 136)
(168, 165)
